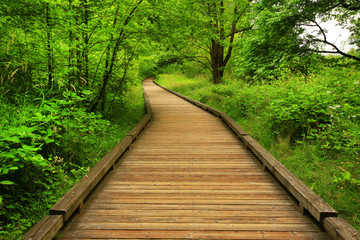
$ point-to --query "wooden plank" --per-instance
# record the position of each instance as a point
(340, 229)
(145, 234)
(196, 219)
(195, 226)
(68, 204)
(185, 184)
(308, 198)
(176, 197)
(45, 229)
(238, 207)
(139, 126)
(260, 152)
(118, 213)
(204, 188)
(147, 103)
(233, 125)
(192, 201)
(182, 178)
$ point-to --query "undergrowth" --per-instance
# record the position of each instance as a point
(311, 124)
(47, 143)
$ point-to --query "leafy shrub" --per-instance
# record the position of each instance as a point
(45, 146)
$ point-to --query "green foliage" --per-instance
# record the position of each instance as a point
(47, 145)
(287, 34)
(345, 178)
(310, 123)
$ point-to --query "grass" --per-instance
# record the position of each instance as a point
(323, 160)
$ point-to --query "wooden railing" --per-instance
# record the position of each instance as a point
(307, 199)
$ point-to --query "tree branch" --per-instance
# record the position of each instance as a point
(325, 41)
(202, 63)
(338, 51)
(239, 31)
(349, 6)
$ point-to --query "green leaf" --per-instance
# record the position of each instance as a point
(29, 148)
(7, 182)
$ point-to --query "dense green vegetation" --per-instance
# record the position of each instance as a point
(46, 145)
(70, 87)
(311, 124)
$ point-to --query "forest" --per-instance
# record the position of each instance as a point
(71, 76)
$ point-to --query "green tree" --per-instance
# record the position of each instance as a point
(299, 14)
(281, 40)
(203, 30)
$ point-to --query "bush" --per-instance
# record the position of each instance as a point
(45, 147)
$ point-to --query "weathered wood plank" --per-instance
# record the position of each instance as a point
(308, 198)
(145, 234)
(195, 219)
(68, 204)
(265, 157)
(139, 126)
(45, 229)
(340, 229)
(193, 201)
(238, 207)
(299, 227)
(233, 125)
(147, 104)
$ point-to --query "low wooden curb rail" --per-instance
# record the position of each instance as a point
(74, 199)
(308, 200)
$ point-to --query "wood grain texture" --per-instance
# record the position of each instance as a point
(45, 229)
(187, 176)
(340, 229)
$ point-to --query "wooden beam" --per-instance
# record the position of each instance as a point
(139, 127)
(75, 197)
(340, 229)
(45, 229)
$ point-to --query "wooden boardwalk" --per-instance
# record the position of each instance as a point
(188, 176)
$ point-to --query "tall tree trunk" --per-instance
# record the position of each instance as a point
(86, 41)
(217, 63)
(50, 55)
(71, 45)
(78, 46)
(108, 72)
(102, 94)
(216, 49)
(219, 56)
